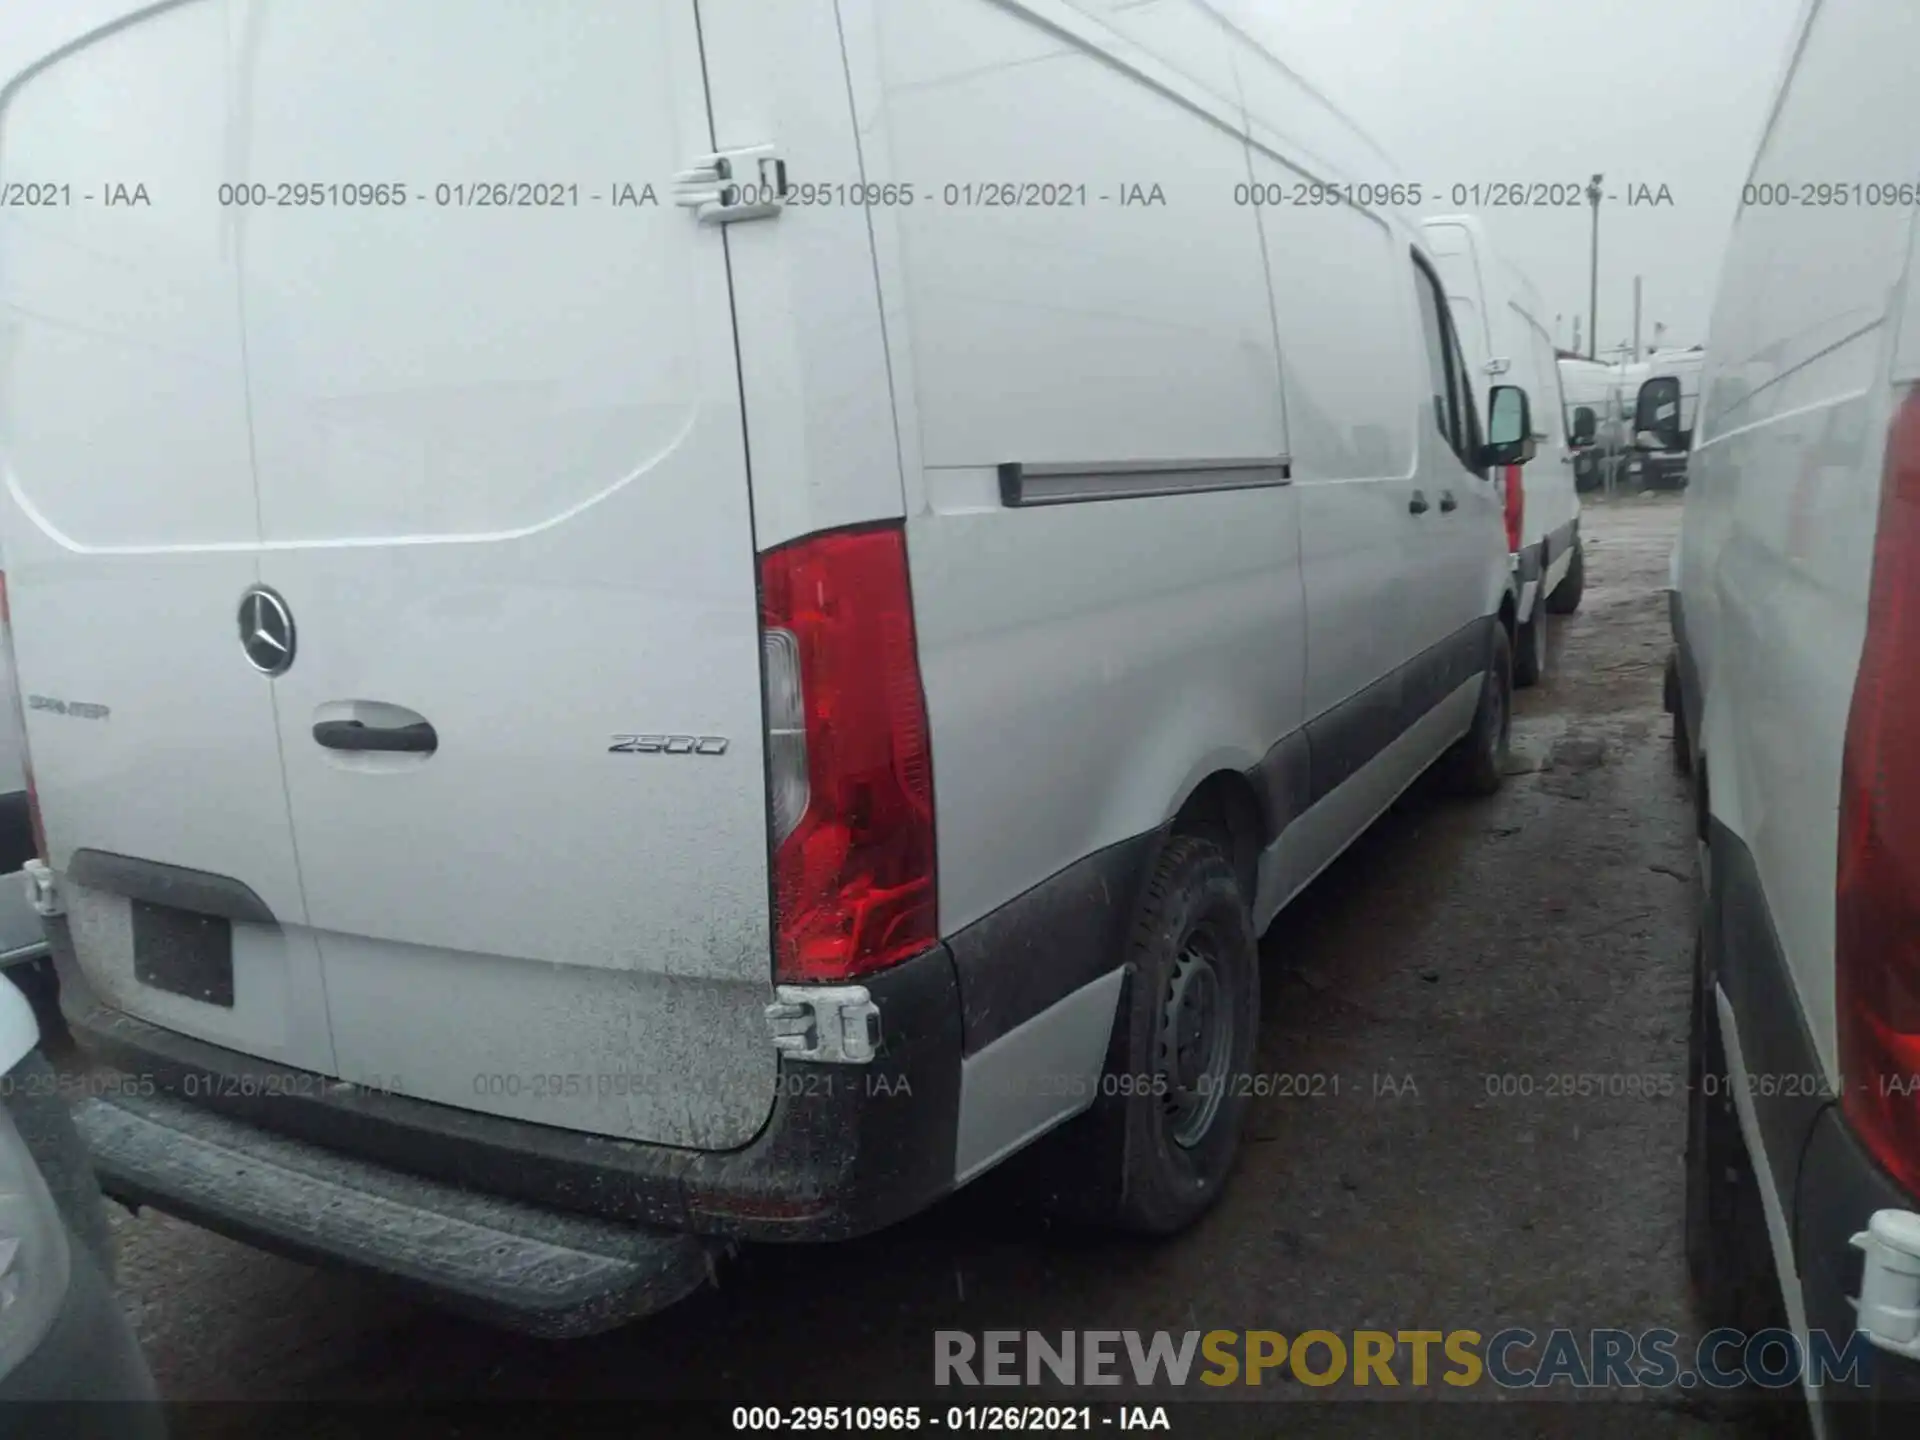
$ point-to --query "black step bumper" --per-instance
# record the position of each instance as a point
(1840, 1187)
(537, 1271)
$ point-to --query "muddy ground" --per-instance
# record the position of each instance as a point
(1459, 958)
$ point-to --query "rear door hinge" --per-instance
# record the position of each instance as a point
(734, 185)
(828, 1024)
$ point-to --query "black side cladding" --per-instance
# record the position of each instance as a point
(1751, 966)
(1040, 947)
(1347, 737)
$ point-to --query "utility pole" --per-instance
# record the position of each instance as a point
(1593, 291)
(1636, 318)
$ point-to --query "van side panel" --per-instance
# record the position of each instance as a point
(1776, 553)
(1342, 293)
(1550, 472)
(813, 358)
(1085, 663)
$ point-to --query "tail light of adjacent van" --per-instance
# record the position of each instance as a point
(1877, 897)
(850, 771)
(20, 722)
(1516, 507)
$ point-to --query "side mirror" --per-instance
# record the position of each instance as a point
(1656, 415)
(1509, 428)
(1584, 425)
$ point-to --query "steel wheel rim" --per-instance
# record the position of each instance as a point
(1196, 1041)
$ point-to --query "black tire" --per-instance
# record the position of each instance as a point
(1565, 598)
(36, 1101)
(1729, 1258)
(1477, 761)
(1672, 701)
(1166, 1156)
(1530, 655)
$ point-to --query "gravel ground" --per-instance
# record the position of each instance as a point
(1440, 977)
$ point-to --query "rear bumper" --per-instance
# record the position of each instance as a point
(846, 1149)
(1839, 1188)
(537, 1271)
(1660, 471)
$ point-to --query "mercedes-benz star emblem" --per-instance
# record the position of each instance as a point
(266, 631)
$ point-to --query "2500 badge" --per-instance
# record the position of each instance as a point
(668, 745)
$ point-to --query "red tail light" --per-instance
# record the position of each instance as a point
(1516, 500)
(1877, 897)
(850, 770)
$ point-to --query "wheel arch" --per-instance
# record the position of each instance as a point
(1225, 807)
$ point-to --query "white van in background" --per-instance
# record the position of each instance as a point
(1671, 377)
(1507, 342)
(1594, 419)
(646, 726)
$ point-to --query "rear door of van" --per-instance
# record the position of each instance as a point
(485, 447)
(503, 490)
(131, 530)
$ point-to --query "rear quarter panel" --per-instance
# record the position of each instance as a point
(1084, 664)
(1784, 481)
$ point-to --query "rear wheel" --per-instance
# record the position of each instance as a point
(1475, 764)
(1682, 746)
(1565, 598)
(1186, 1036)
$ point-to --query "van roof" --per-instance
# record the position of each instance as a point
(1518, 284)
(1352, 130)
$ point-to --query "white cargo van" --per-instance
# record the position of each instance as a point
(1592, 392)
(1797, 689)
(1671, 379)
(1507, 342)
(708, 652)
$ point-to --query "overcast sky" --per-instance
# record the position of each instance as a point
(1654, 92)
(1658, 92)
